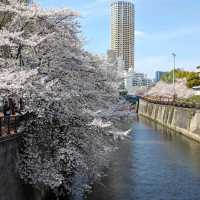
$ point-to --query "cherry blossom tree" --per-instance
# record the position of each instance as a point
(70, 98)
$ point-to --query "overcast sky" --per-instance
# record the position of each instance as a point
(162, 27)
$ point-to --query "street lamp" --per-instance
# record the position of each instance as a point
(174, 67)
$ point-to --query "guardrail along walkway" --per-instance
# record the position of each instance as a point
(8, 125)
(164, 100)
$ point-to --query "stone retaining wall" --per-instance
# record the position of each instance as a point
(183, 120)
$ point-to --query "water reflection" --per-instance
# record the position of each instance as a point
(154, 164)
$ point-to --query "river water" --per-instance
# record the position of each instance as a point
(153, 163)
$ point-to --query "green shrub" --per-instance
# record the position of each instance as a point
(193, 99)
(193, 82)
(192, 75)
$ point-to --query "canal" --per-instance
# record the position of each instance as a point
(153, 163)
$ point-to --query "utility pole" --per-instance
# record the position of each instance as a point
(174, 67)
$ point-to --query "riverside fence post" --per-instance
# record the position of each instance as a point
(8, 121)
(0, 126)
(15, 124)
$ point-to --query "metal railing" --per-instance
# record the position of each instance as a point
(8, 125)
(159, 99)
(166, 100)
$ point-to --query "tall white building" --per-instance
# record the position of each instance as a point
(123, 31)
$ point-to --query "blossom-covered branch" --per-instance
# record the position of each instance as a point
(69, 94)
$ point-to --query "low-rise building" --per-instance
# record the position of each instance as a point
(137, 81)
(197, 90)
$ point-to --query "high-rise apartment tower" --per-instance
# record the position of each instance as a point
(123, 31)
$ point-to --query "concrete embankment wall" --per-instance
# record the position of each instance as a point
(10, 185)
(183, 120)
